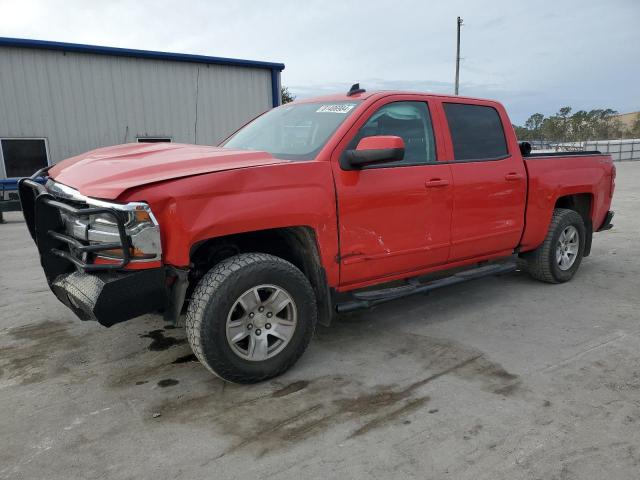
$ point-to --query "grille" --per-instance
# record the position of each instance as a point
(55, 224)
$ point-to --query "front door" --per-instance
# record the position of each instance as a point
(393, 217)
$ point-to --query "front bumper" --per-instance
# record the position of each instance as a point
(112, 297)
(105, 293)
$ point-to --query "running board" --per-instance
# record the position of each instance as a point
(371, 298)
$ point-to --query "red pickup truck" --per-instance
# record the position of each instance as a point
(306, 212)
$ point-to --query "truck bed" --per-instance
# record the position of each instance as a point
(556, 175)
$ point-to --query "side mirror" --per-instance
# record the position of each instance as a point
(373, 150)
(525, 148)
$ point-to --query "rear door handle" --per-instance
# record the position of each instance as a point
(513, 177)
(436, 182)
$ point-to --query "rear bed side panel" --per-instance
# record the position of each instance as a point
(553, 177)
(194, 209)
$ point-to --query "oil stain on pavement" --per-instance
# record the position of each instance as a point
(160, 342)
(29, 357)
(271, 416)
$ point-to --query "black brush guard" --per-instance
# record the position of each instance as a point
(101, 292)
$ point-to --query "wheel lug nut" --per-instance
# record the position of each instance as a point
(251, 315)
(258, 331)
(269, 314)
(261, 309)
(250, 326)
(267, 326)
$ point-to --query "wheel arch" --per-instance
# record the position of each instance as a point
(582, 203)
(296, 244)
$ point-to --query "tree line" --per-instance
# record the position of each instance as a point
(565, 126)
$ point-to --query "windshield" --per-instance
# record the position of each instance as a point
(293, 132)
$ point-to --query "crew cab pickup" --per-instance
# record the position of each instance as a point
(306, 212)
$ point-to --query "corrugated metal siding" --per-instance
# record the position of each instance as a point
(83, 101)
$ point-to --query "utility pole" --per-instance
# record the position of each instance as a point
(458, 57)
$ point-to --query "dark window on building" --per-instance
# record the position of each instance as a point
(23, 157)
(153, 139)
(410, 121)
(476, 132)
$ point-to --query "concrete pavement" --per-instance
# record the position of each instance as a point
(502, 378)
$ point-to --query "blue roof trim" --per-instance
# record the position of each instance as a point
(127, 52)
(275, 91)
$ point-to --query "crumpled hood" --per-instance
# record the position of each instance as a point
(108, 172)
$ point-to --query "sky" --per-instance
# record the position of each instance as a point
(533, 56)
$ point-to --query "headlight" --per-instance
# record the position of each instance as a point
(140, 226)
(141, 215)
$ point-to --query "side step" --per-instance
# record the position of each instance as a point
(372, 298)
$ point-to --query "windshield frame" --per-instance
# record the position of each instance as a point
(306, 156)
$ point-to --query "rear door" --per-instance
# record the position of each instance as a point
(394, 217)
(489, 182)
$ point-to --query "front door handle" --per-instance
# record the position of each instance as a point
(513, 177)
(436, 182)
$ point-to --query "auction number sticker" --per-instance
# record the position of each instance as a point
(336, 108)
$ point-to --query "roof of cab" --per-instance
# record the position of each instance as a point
(343, 97)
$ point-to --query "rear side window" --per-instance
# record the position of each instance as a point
(476, 132)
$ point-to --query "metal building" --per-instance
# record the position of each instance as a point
(61, 99)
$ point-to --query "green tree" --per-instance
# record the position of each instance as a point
(564, 119)
(534, 126)
(522, 133)
(604, 124)
(286, 95)
(634, 131)
(557, 127)
(580, 126)
(552, 129)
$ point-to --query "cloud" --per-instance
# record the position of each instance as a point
(531, 57)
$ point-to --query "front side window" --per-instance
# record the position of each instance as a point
(23, 156)
(293, 131)
(476, 132)
(410, 121)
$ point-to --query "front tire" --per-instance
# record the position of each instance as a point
(251, 317)
(559, 256)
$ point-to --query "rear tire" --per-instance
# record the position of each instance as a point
(559, 256)
(251, 317)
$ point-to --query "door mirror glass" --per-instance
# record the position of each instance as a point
(374, 150)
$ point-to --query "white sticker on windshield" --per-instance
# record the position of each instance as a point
(336, 108)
